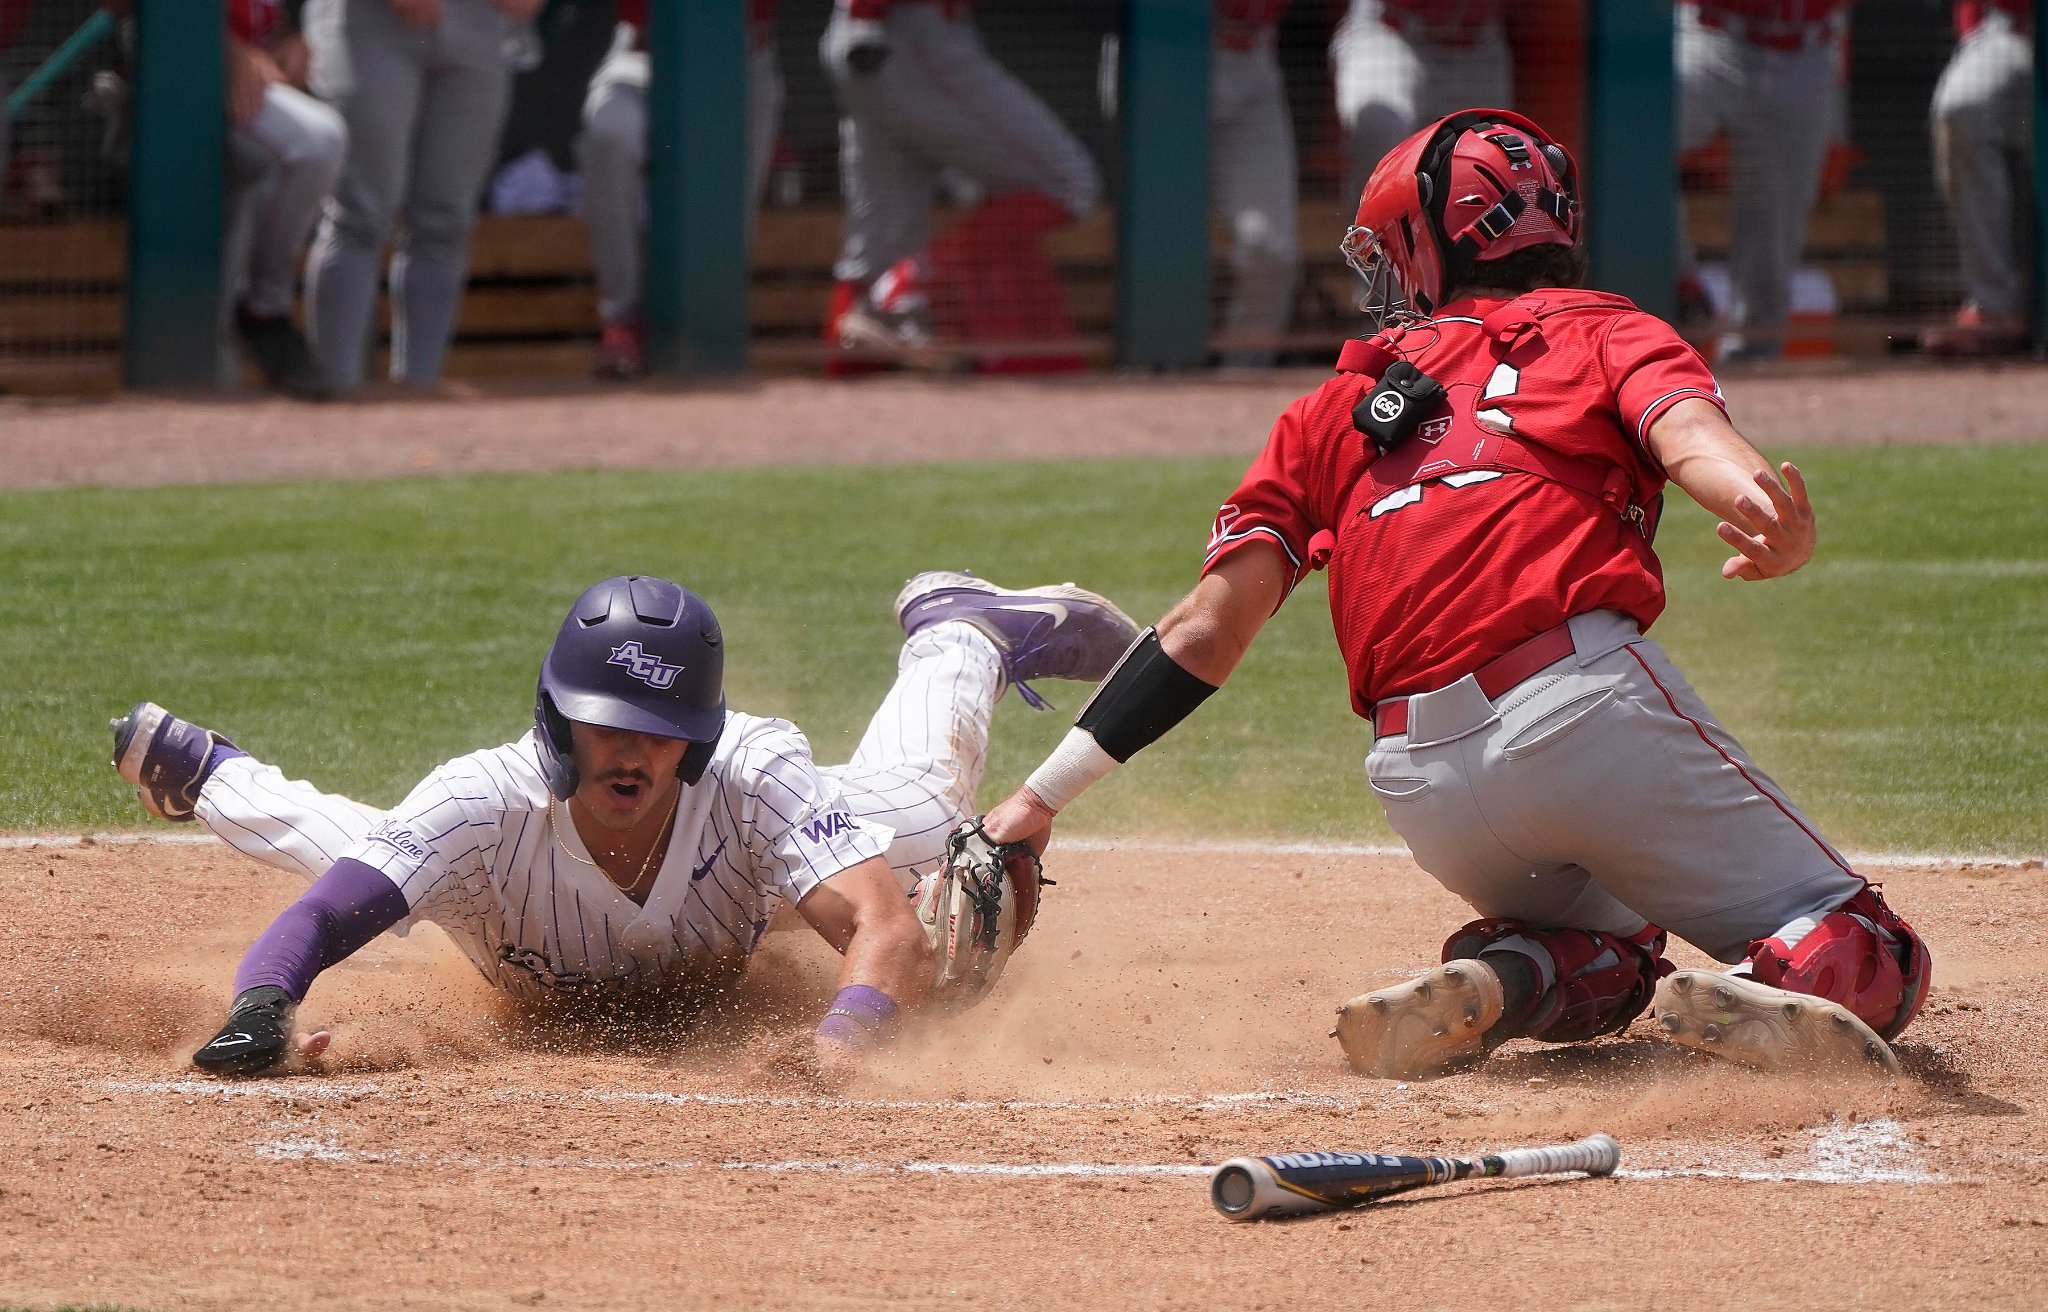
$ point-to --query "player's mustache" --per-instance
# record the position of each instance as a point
(625, 776)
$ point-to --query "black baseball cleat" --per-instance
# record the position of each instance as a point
(282, 355)
(166, 758)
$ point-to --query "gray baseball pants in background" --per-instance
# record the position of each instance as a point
(424, 107)
(1778, 109)
(1600, 794)
(281, 169)
(1390, 83)
(1983, 128)
(938, 100)
(1253, 188)
(613, 153)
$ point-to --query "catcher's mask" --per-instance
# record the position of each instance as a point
(639, 654)
(1478, 185)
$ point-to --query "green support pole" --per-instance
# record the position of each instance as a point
(1631, 165)
(697, 272)
(1162, 218)
(175, 184)
(2039, 172)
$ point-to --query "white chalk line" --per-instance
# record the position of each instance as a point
(290, 1090)
(1870, 1152)
(1873, 1153)
(1221, 847)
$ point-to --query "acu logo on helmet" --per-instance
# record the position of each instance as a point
(645, 666)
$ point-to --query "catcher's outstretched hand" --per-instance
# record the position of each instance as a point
(258, 1036)
(1774, 539)
(1020, 818)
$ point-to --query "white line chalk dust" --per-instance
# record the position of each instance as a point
(1877, 1152)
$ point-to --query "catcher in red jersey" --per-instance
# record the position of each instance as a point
(1482, 479)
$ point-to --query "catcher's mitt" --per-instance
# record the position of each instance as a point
(976, 910)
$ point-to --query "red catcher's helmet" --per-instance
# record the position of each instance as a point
(1478, 185)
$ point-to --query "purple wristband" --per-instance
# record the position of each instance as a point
(860, 1017)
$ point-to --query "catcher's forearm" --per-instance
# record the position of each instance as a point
(345, 908)
(1147, 694)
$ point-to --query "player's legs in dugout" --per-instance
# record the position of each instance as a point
(370, 66)
(920, 760)
(1979, 124)
(1602, 793)
(613, 151)
(1378, 76)
(1777, 144)
(1251, 153)
(281, 168)
(462, 108)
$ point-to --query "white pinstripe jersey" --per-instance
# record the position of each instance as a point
(472, 850)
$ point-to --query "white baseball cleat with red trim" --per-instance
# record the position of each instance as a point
(1738, 1018)
(1432, 1025)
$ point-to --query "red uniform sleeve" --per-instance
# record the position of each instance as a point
(1277, 500)
(1650, 369)
(255, 21)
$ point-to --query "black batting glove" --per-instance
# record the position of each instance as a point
(258, 1031)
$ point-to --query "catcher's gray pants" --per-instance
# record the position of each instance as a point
(281, 169)
(1982, 123)
(938, 101)
(424, 107)
(1778, 109)
(1390, 82)
(613, 153)
(1600, 794)
(1251, 162)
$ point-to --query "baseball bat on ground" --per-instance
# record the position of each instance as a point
(1290, 1184)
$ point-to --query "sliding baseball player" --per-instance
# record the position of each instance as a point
(633, 846)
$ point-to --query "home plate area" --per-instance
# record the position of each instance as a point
(1049, 1148)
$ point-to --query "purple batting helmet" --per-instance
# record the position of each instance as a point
(634, 653)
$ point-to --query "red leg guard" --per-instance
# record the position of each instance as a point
(1862, 955)
(1603, 982)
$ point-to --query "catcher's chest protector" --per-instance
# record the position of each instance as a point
(1480, 364)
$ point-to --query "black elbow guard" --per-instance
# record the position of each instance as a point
(1144, 696)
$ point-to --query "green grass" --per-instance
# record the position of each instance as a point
(358, 634)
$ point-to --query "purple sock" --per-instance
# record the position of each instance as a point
(860, 1017)
(222, 751)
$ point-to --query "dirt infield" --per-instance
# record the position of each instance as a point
(140, 440)
(1169, 1013)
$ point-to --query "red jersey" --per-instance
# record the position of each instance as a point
(257, 22)
(1444, 13)
(1258, 13)
(879, 9)
(1969, 13)
(1776, 13)
(1453, 548)
(760, 13)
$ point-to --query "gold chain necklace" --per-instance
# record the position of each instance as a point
(675, 805)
